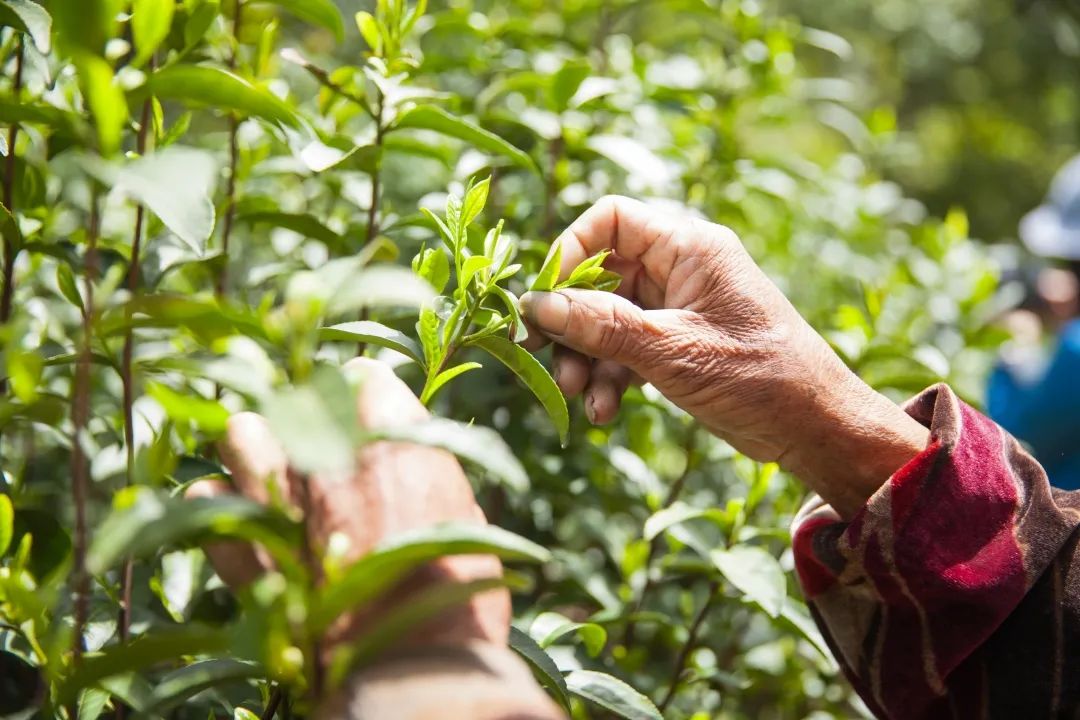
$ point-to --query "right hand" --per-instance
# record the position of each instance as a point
(697, 318)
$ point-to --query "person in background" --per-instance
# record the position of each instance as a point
(1034, 392)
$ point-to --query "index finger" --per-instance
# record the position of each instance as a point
(629, 228)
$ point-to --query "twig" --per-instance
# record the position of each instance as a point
(654, 545)
(127, 380)
(80, 413)
(272, 704)
(687, 648)
(9, 203)
(234, 162)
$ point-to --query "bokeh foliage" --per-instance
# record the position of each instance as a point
(209, 205)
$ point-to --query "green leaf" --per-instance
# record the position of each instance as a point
(612, 694)
(434, 266)
(534, 375)
(92, 703)
(448, 235)
(543, 667)
(510, 302)
(179, 685)
(676, 513)
(144, 521)
(199, 21)
(207, 415)
(375, 573)
(475, 200)
(317, 12)
(755, 573)
(430, 117)
(104, 98)
(217, 88)
(7, 523)
(65, 280)
(550, 627)
(151, 21)
(427, 327)
(470, 267)
(549, 273)
(369, 30)
(30, 18)
(29, 111)
(185, 207)
(299, 223)
(373, 333)
(477, 444)
(381, 286)
(796, 615)
(566, 82)
(316, 422)
(403, 618)
(145, 652)
(444, 377)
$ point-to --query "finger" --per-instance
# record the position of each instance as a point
(599, 324)
(384, 399)
(603, 396)
(571, 370)
(536, 339)
(631, 229)
(237, 563)
(255, 458)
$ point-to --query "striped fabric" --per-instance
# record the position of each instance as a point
(953, 593)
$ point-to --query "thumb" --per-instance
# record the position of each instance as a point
(599, 324)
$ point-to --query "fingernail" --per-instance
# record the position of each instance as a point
(548, 311)
(590, 407)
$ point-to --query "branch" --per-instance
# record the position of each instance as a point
(127, 377)
(80, 413)
(234, 161)
(687, 648)
(9, 202)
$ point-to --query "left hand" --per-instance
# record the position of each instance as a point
(457, 666)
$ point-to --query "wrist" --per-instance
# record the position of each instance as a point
(857, 440)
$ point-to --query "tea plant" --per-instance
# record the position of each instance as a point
(207, 206)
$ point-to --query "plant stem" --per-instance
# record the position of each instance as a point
(80, 413)
(654, 546)
(376, 182)
(9, 202)
(272, 704)
(234, 162)
(127, 380)
(688, 647)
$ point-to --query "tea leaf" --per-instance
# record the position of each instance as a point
(755, 573)
(318, 12)
(430, 117)
(611, 694)
(7, 523)
(30, 18)
(549, 272)
(373, 333)
(535, 377)
(543, 667)
(479, 445)
(475, 200)
(444, 377)
(217, 88)
(151, 21)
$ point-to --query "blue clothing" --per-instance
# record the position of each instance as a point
(1045, 412)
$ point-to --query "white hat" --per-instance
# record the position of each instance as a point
(1053, 229)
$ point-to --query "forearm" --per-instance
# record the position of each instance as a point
(478, 681)
(847, 439)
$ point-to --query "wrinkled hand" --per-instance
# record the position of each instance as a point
(696, 317)
(457, 666)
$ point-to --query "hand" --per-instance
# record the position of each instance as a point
(696, 317)
(397, 487)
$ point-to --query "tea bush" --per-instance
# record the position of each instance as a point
(210, 205)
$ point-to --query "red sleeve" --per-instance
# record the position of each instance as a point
(919, 595)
